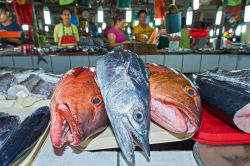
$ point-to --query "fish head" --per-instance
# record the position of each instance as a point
(129, 118)
(77, 108)
(175, 102)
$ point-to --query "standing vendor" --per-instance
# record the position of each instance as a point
(116, 34)
(142, 31)
(7, 24)
(174, 38)
(65, 33)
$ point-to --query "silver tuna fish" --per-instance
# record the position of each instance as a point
(123, 81)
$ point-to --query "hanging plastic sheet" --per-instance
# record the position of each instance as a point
(23, 13)
(159, 9)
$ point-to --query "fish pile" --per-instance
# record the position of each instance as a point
(18, 139)
(16, 83)
(175, 102)
(129, 90)
(77, 108)
(227, 95)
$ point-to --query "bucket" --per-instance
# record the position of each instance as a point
(173, 21)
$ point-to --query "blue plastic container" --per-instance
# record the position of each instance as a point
(173, 22)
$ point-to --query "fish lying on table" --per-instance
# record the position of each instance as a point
(6, 81)
(123, 81)
(230, 102)
(175, 102)
(240, 78)
(18, 82)
(8, 123)
(77, 108)
(24, 137)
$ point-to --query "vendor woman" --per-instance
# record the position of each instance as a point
(7, 24)
(142, 31)
(65, 33)
(116, 34)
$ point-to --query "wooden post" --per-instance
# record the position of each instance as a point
(224, 9)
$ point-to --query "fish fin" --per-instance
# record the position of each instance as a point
(127, 64)
(214, 69)
(76, 71)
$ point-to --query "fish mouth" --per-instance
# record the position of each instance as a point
(173, 116)
(126, 135)
(65, 128)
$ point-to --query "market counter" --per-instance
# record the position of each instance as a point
(106, 140)
(186, 62)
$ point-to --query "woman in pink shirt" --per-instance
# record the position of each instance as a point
(116, 34)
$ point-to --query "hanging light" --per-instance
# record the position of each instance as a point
(129, 15)
(223, 29)
(46, 28)
(100, 14)
(104, 25)
(211, 33)
(189, 16)
(247, 12)
(243, 28)
(218, 16)
(196, 4)
(46, 14)
(129, 30)
(217, 31)
(238, 30)
(25, 27)
(157, 21)
(99, 30)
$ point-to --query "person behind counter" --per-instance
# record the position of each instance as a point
(116, 34)
(142, 31)
(65, 33)
(185, 38)
(7, 24)
(173, 38)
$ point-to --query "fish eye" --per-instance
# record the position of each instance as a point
(96, 101)
(190, 91)
(138, 116)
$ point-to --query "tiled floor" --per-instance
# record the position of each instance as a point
(169, 154)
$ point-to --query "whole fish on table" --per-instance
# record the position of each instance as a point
(229, 102)
(240, 78)
(123, 81)
(24, 137)
(175, 102)
(6, 81)
(18, 82)
(8, 123)
(77, 108)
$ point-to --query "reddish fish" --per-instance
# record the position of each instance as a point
(175, 103)
(77, 108)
